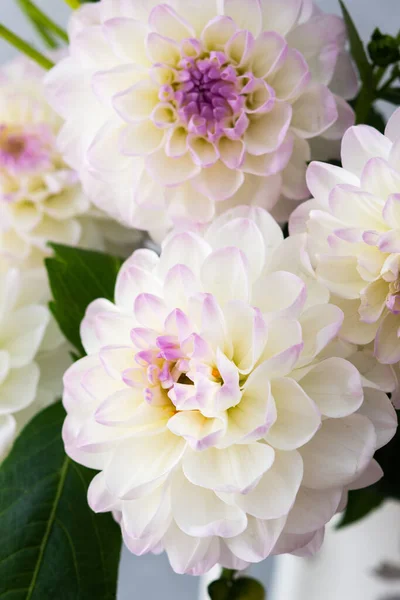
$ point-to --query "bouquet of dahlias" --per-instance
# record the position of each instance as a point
(199, 288)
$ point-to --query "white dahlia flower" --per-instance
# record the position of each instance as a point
(353, 226)
(224, 422)
(174, 110)
(41, 198)
(27, 337)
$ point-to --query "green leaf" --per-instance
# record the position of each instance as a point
(52, 545)
(357, 48)
(360, 504)
(243, 588)
(246, 588)
(77, 277)
(391, 95)
(219, 590)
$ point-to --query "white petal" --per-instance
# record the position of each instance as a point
(339, 452)
(267, 132)
(164, 20)
(387, 346)
(314, 112)
(322, 177)
(137, 102)
(139, 462)
(320, 324)
(245, 235)
(8, 431)
(248, 333)
(278, 18)
(270, 230)
(211, 516)
(312, 509)
(162, 50)
(233, 469)
(279, 293)
(258, 539)
(218, 181)
(19, 389)
(186, 249)
(200, 432)
(127, 39)
(225, 274)
(361, 143)
(136, 276)
(335, 387)
(171, 171)
(274, 495)
(23, 333)
(298, 418)
(269, 51)
(188, 554)
(392, 130)
(246, 17)
(140, 139)
(379, 410)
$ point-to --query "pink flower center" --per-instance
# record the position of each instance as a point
(25, 149)
(207, 95)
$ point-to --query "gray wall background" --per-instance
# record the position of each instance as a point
(150, 577)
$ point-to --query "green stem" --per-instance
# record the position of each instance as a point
(73, 3)
(364, 102)
(377, 77)
(40, 18)
(24, 47)
(228, 574)
(389, 82)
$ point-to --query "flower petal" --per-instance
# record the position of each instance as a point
(339, 452)
(298, 417)
(233, 469)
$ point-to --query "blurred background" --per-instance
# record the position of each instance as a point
(361, 562)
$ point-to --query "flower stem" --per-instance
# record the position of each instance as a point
(73, 3)
(24, 47)
(40, 18)
(228, 574)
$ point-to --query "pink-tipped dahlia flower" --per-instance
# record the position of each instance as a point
(28, 375)
(353, 226)
(225, 423)
(174, 110)
(41, 198)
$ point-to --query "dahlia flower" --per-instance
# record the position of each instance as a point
(175, 110)
(24, 330)
(41, 198)
(224, 422)
(353, 226)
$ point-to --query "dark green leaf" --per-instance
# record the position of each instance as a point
(52, 545)
(391, 95)
(357, 48)
(360, 504)
(77, 277)
(246, 588)
(219, 590)
(243, 588)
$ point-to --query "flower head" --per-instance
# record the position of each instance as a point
(182, 108)
(223, 422)
(354, 235)
(41, 198)
(23, 324)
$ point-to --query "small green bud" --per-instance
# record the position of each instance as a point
(383, 49)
